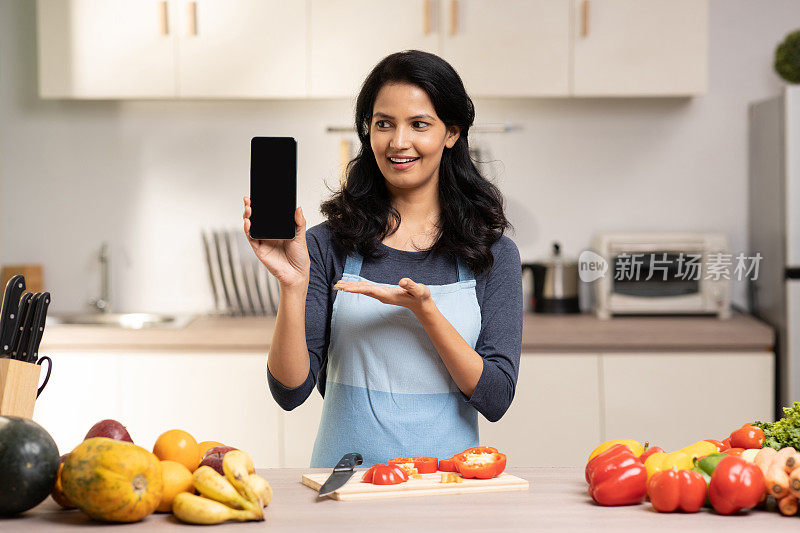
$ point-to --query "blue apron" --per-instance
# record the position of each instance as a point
(388, 393)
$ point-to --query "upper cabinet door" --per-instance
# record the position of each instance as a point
(508, 47)
(640, 47)
(106, 49)
(242, 48)
(348, 37)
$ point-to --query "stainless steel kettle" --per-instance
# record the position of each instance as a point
(555, 284)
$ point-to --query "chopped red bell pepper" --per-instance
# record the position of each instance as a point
(735, 484)
(424, 465)
(670, 490)
(381, 474)
(448, 465)
(617, 477)
(481, 465)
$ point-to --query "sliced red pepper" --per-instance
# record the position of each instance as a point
(424, 465)
(381, 474)
(448, 465)
(481, 449)
(480, 465)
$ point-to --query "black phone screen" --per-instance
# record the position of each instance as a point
(273, 187)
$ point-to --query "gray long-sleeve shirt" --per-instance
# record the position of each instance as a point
(499, 293)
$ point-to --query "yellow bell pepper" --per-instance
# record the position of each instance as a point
(635, 447)
(659, 461)
(700, 449)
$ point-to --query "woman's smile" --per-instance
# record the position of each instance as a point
(402, 163)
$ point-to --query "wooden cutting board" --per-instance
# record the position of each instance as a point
(428, 485)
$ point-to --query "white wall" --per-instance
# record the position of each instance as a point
(147, 175)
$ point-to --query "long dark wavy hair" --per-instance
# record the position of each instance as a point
(361, 215)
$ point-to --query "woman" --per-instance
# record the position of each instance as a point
(405, 306)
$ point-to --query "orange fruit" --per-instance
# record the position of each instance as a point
(177, 479)
(177, 445)
(207, 445)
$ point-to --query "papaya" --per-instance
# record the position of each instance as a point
(112, 480)
(58, 492)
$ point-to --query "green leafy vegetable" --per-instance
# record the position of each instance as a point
(786, 431)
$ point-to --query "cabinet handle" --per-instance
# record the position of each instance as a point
(164, 18)
(427, 17)
(192, 18)
(585, 22)
(453, 17)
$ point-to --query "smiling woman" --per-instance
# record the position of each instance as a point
(405, 307)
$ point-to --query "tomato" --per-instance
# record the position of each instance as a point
(734, 451)
(480, 465)
(721, 447)
(747, 437)
(381, 474)
(424, 465)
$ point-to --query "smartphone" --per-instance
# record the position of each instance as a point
(273, 187)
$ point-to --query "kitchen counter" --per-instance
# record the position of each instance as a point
(557, 500)
(541, 333)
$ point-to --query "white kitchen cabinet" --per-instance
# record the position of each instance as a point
(178, 48)
(213, 396)
(510, 47)
(675, 399)
(106, 48)
(555, 418)
(300, 431)
(640, 47)
(243, 49)
(348, 37)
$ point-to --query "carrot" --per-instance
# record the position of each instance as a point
(791, 462)
(764, 457)
(777, 481)
(788, 505)
(786, 452)
(794, 482)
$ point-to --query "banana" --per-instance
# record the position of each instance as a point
(194, 509)
(261, 487)
(238, 466)
(216, 487)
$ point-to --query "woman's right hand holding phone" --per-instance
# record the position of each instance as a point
(287, 260)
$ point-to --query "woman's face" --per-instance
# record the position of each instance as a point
(407, 137)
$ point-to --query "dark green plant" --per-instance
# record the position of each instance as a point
(787, 58)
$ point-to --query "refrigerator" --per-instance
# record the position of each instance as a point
(774, 231)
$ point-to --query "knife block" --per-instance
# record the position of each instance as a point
(19, 382)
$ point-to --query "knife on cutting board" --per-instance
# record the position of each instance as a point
(10, 313)
(342, 473)
(31, 353)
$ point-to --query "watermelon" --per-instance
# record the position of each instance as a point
(28, 464)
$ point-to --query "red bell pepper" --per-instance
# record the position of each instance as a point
(650, 451)
(617, 477)
(735, 484)
(480, 465)
(726, 442)
(720, 446)
(449, 465)
(747, 437)
(734, 451)
(670, 490)
(380, 474)
(424, 465)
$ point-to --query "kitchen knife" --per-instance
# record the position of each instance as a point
(26, 306)
(10, 313)
(37, 329)
(232, 266)
(341, 473)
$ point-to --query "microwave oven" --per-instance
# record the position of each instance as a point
(654, 273)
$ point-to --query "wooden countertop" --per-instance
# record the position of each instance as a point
(556, 501)
(541, 333)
